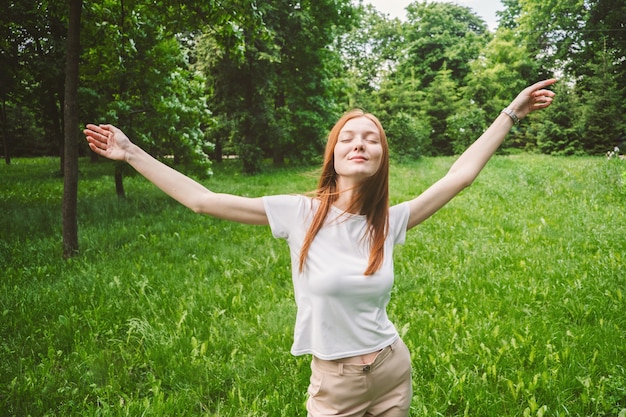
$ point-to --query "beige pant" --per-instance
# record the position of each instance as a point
(382, 388)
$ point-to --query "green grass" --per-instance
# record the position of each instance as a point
(512, 299)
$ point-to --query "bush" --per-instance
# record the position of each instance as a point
(464, 127)
(408, 136)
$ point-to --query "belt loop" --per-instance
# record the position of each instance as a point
(340, 368)
(391, 346)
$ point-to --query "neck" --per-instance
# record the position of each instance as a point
(346, 191)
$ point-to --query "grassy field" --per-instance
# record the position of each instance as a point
(512, 299)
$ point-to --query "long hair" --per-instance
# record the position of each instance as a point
(370, 199)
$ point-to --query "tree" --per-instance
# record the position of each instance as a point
(137, 76)
(9, 69)
(464, 126)
(503, 68)
(557, 133)
(308, 96)
(32, 82)
(508, 17)
(601, 75)
(70, 117)
(602, 111)
(584, 39)
(408, 136)
(370, 52)
(441, 41)
(441, 35)
(442, 100)
(236, 62)
(272, 81)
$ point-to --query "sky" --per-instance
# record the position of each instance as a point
(484, 8)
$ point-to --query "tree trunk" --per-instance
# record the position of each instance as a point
(70, 117)
(119, 181)
(218, 151)
(5, 142)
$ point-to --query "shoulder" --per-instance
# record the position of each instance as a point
(277, 202)
(399, 211)
(286, 212)
(398, 220)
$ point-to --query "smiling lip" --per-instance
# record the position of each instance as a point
(358, 158)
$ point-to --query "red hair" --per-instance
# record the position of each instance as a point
(371, 198)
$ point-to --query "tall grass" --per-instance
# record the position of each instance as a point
(511, 298)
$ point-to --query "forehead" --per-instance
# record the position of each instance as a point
(359, 125)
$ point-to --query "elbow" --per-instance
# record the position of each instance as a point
(461, 179)
(200, 203)
(466, 182)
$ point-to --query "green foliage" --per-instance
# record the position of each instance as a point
(440, 40)
(150, 78)
(277, 74)
(181, 129)
(603, 120)
(502, 69)
(369, 52)
(408, 136)
(511, 298)
(441, 36)
(276, 89)
(584, 40)
(464, 127)
(557, 133)
(32, 72)
(442, 100)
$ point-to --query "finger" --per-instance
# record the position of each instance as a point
(540, 106)
(545, 83)
(90, 135)
(97, 136)
(539, 93)
(96, 128)
(93, 136)
(108, 128)
(96, 141)
(94, 148)
(543, 101)
(539, 86)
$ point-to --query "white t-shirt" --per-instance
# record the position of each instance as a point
(340, 311)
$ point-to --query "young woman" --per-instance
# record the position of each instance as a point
(341, 243)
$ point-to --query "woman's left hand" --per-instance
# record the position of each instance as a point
(533, 98)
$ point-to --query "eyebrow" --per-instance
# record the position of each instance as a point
(352, 132)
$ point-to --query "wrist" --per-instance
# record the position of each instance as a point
(131, 152)
(512, 114)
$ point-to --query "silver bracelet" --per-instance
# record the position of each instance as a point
(512, 115)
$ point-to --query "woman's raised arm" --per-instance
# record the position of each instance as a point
(112, 143)
(471, 162)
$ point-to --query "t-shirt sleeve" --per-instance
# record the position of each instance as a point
(398, 220)
(283, 212)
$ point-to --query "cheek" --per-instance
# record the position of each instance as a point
(380, 157)
(335, 159)
(379, 154)
(339, 153)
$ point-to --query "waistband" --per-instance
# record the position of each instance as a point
(338, 366)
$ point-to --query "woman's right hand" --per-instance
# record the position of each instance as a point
(107, 141)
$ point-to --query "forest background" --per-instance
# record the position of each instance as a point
(193, 82)
(198, 81)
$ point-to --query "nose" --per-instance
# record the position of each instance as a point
(358, 143)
